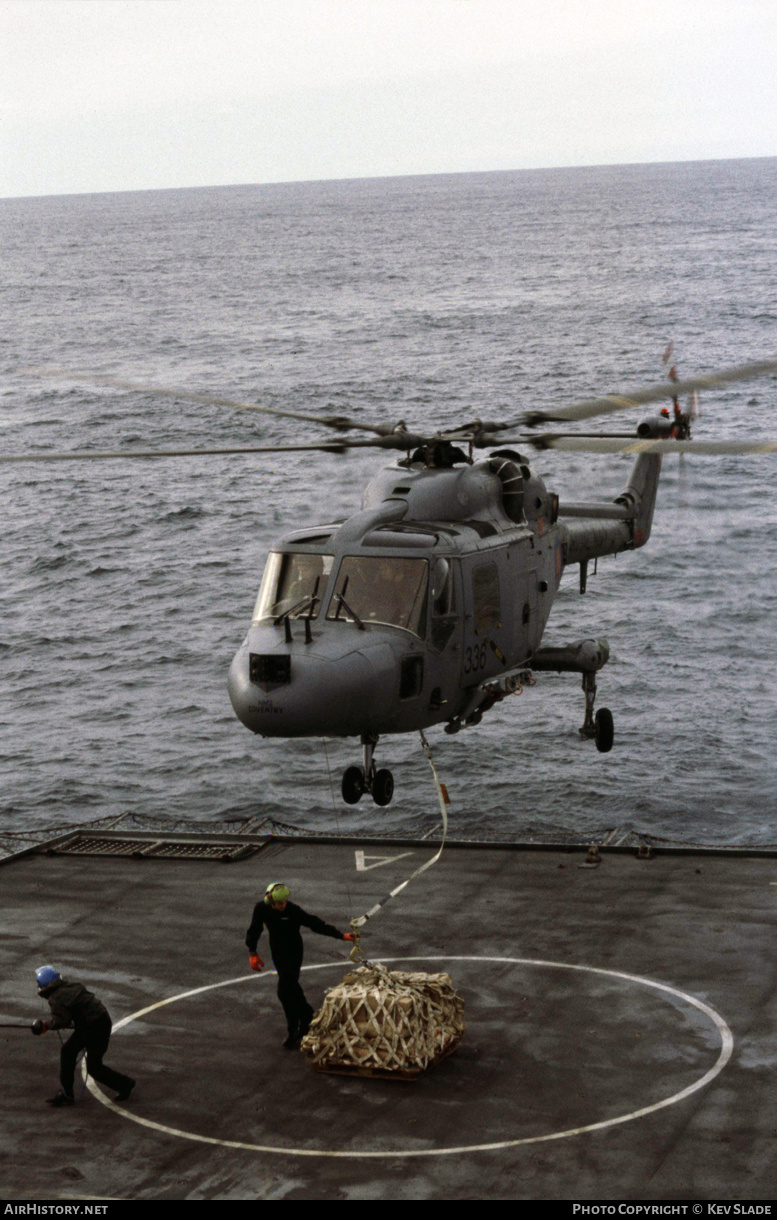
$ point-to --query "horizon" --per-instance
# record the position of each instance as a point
(527, 169)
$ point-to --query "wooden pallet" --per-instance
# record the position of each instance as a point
(376, 1073)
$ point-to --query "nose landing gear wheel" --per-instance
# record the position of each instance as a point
(382, 787)
(353, 786)
(604, 730)
(358, 780)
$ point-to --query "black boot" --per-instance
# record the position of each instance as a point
(125, 1091)
(60, 1099)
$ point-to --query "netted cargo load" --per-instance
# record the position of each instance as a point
(385, 1022)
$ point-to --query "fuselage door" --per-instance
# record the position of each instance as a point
(522, 592)
(486, 635)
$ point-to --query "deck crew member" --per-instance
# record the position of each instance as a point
(72, 1005)
(283, 920)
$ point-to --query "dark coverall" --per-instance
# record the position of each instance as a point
(72, 1004)
(283, 928)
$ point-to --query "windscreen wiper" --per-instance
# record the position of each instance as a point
(310, 601)
(343, 603)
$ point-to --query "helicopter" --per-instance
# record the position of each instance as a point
(429, 605)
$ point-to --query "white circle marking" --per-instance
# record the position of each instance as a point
(726, 1049)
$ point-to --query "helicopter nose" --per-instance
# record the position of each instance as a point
(337, 687)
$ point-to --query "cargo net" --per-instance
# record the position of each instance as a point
(386, 1023)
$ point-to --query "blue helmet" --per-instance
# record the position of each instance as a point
(46, 975)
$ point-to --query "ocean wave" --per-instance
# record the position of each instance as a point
(440, 301)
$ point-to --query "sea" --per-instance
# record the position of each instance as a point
(128, 585)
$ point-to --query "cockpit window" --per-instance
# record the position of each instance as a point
(293, 584)
(442, 587)
(381, 589)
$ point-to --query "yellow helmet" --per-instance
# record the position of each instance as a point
(276, 892)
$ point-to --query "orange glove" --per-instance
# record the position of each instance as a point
(255, 961)
(348, 936)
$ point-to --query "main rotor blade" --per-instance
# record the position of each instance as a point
(640, 397)
(586, 444)
(105, 455)
(403, 440)
(340, 422)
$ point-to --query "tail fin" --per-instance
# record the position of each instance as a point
(625, 525)
(640, 493)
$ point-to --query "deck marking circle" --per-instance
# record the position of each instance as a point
(726, 1049)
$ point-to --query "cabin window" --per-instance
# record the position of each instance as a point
(485, 597)
(293, 584)
(381, 589)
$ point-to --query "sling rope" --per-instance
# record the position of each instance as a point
(442, 793)
(336, 813)
(331, 786)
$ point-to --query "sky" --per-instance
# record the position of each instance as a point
(117, 95)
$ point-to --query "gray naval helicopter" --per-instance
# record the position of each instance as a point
(429, 606)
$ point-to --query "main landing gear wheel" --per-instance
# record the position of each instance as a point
(605, 730)
(600, 727)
